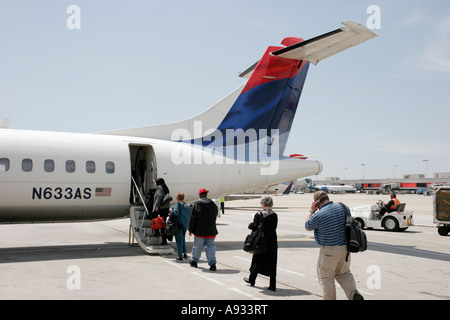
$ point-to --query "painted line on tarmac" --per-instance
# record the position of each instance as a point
(293, 272)
(248, 295)
(174, 264)
(281, 269)
(208, 278)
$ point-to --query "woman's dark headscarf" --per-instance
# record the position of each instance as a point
(162, 183)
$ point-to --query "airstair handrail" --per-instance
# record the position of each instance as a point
(140, 195)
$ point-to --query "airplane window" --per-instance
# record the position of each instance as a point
(4, 164)
(27, 165)
(70, 166)
(49, 165)
(90, 166)
(110, 167)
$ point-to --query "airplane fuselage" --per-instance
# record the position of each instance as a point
(62, 177)
(52, 176)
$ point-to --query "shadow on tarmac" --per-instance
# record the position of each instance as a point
(118, 249)
(68, 252)
(409, 251)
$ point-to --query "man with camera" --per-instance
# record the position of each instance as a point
(328, 219)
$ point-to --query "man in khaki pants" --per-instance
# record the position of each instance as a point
(328, 224)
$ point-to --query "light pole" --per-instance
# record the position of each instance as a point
(363, 164)
(425, 167)
(394, 166)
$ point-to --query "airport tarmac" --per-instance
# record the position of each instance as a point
(92, 260)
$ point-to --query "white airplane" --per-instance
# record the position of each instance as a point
(235, 145)
(329, 188)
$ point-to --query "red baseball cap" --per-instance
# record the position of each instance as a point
(202, 190)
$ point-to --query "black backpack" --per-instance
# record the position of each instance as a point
(356, 238)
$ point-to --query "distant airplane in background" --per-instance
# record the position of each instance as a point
(329, 188)
(288, 189)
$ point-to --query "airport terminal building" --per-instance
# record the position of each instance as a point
(410, 183)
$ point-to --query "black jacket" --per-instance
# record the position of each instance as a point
(266, 263)
(158, 198)
(203, 218)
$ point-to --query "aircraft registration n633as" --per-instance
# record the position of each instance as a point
(235, 145)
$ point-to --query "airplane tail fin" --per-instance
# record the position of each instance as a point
(264, 107)
(311, 184)
(265, 103)
(288, 189)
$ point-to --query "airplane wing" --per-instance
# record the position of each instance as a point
(245, 196)
(323, 46)
(328, 44)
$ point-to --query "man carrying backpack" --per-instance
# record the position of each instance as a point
(203, 225)
(328, 220)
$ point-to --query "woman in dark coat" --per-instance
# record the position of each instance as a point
(161, 209)
(266, 262)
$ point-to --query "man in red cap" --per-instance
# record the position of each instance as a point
(203, 226)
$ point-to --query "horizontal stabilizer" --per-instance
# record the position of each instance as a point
(328, 44)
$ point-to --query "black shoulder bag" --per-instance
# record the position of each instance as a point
(356, 238)
(255, 242)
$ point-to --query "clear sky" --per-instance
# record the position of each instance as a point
(384, 103)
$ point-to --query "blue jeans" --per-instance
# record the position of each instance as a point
(210, 249)
(181, 242)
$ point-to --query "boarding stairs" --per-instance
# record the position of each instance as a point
(141, 229)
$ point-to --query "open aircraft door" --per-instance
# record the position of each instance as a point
(143, 170)
(143, 174)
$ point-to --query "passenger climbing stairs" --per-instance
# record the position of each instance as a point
(141, 229)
